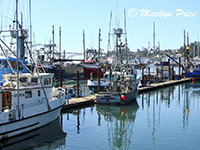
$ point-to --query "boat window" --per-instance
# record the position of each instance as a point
(20, 67)
(38, 92)
(28, 94)
(23, 79)
(12, 64)
(5, 64)
(34, 80)
(47, 81)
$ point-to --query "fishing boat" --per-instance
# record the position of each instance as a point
(31, 105)
(28, 101)
(122, 91)
(6, 68)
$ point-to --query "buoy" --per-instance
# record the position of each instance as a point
(122, 97)
(95, 101)
(192, 80)
(122, 111)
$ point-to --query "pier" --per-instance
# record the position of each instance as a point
(154, 86)
(86, 100)
(79, 101)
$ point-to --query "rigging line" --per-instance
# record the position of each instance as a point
(47, 101)
(15, 55)
(7, 59)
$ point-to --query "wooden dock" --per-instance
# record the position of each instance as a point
(86, 100)
(80, 101)
(154, 86)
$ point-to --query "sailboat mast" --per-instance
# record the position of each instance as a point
(17, 36)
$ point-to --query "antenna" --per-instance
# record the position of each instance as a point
(108, 46)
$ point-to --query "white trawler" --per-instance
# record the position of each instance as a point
(33, 104)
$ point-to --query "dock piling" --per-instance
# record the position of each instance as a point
(169, 71)
(77, 84)
(142, 76)
(162, 73)
(179, 68)
(110, 77)
(61, 78)
(157, 75)
(99, 80)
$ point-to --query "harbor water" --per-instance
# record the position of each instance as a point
(166, 118)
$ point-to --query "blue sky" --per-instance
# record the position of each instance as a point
(90, 15)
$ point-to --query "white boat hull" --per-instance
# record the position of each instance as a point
(17, 127)
(115, 97)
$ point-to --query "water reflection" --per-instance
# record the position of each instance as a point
(171, 100)
(49, 137)
(120, 121)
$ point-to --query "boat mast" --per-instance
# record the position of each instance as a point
(154, 37)
(53, 39)
(84, 44)
(99, 52)
(17, 36)
(108, 46)
(126, 43)
(60, 41)
(30, 26)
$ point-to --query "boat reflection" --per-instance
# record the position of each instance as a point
(181, 97)
(48, 137)
(120, 122)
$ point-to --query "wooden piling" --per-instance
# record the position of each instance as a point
(157, 75)
(169, 71)
(99, 80)
(179, 68)
(149, 74)
(77, 84)
(110, 77)
(142, 76)
(61, 78)
(162, 73)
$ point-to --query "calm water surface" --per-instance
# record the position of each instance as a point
(167, 118)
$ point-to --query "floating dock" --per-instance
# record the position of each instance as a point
(86, 100)
(79, 101)
(154, 86)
